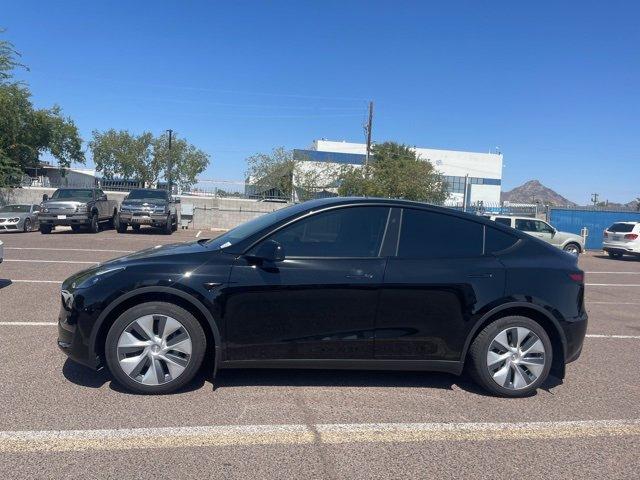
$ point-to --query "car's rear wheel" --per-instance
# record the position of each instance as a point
(572, 248)
(120, 226)
(511, 357)
(45, 229)
(167, 228)
(155, 348)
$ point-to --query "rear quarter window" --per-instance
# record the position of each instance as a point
(503, 221)
(425, 234)
(495, 241)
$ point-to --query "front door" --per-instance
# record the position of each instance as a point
(321, 301)
(435, 287)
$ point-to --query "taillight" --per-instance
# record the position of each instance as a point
(577, 277)
(605, 234)
(631, 236)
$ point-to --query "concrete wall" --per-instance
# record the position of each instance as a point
(209, 213)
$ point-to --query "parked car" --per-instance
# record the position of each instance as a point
(622, 238)
(334, 283)
(569, 242)
(147, 206)
(19, 218)
(77, 208)
(1, 251)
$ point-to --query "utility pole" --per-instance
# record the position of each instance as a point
(169, 163)
(465, 196)
(594, 199)
(368, 130)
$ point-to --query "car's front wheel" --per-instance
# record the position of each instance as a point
(155, 348)
(511, 357)
(572, 248)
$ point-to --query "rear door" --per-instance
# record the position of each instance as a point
(321, 301)
(435, 287)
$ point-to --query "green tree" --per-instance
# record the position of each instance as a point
(119, 153)
(146, 158)
(27, 132)
(394, 171)
(283, 172)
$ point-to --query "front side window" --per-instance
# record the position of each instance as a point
(526, 225)
(426, 234)
(353, 232)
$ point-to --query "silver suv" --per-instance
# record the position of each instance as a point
(622, 238)
(569, 242)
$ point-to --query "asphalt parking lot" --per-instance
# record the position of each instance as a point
(60, 420)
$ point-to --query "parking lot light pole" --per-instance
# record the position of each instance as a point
(169, 164)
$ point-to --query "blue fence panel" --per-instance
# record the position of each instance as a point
(573, 220)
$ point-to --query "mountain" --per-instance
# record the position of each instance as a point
(534, 192)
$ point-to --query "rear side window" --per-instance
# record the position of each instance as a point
(621, 227)
(503, 221)
(496, 240)
(435, 235)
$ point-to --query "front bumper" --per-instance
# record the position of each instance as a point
(143, 219)
(575, 331)
(66, 220)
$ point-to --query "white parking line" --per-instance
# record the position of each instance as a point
(612, 284)
(613, 303)
(28, 324)
(50, 261)
(594, 335)
(225, 435)
(198, 234)
(34, 281)
(68, 249)
(616, 273)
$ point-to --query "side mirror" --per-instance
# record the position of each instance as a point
(45, 197)
(268, 251)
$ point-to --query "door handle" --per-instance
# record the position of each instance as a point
(480, 275)
(360, 276)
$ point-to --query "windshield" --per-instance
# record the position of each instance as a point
(247, 229)
(72, 193)
(15, 208)
(147, 194)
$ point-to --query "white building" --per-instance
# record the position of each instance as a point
(484, 169)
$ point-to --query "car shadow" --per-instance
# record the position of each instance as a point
(86, 377)
(5, 282)
(234, 378)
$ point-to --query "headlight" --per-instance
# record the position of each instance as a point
(93, 278)
(81, 208)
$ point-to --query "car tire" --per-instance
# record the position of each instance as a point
(46, 229)
(572, 248)
(614, 255)
(131, 365)
(121, 227)
(94, 225)
(167, 228)
(174, 225)
(27, 225)
(502, 369)
(114, 220)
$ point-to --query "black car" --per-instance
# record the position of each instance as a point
(334, 283)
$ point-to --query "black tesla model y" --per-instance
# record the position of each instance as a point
(334, 283)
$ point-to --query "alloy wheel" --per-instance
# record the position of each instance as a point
(154, 349)
(572, 249)
(516, 358)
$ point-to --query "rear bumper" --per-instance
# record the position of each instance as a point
(628, 248)
(574, 331)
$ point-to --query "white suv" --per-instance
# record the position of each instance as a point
(622, 238)
(569, 242)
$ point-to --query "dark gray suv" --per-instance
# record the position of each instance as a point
(146, 206)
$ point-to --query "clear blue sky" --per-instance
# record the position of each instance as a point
(556, 85)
